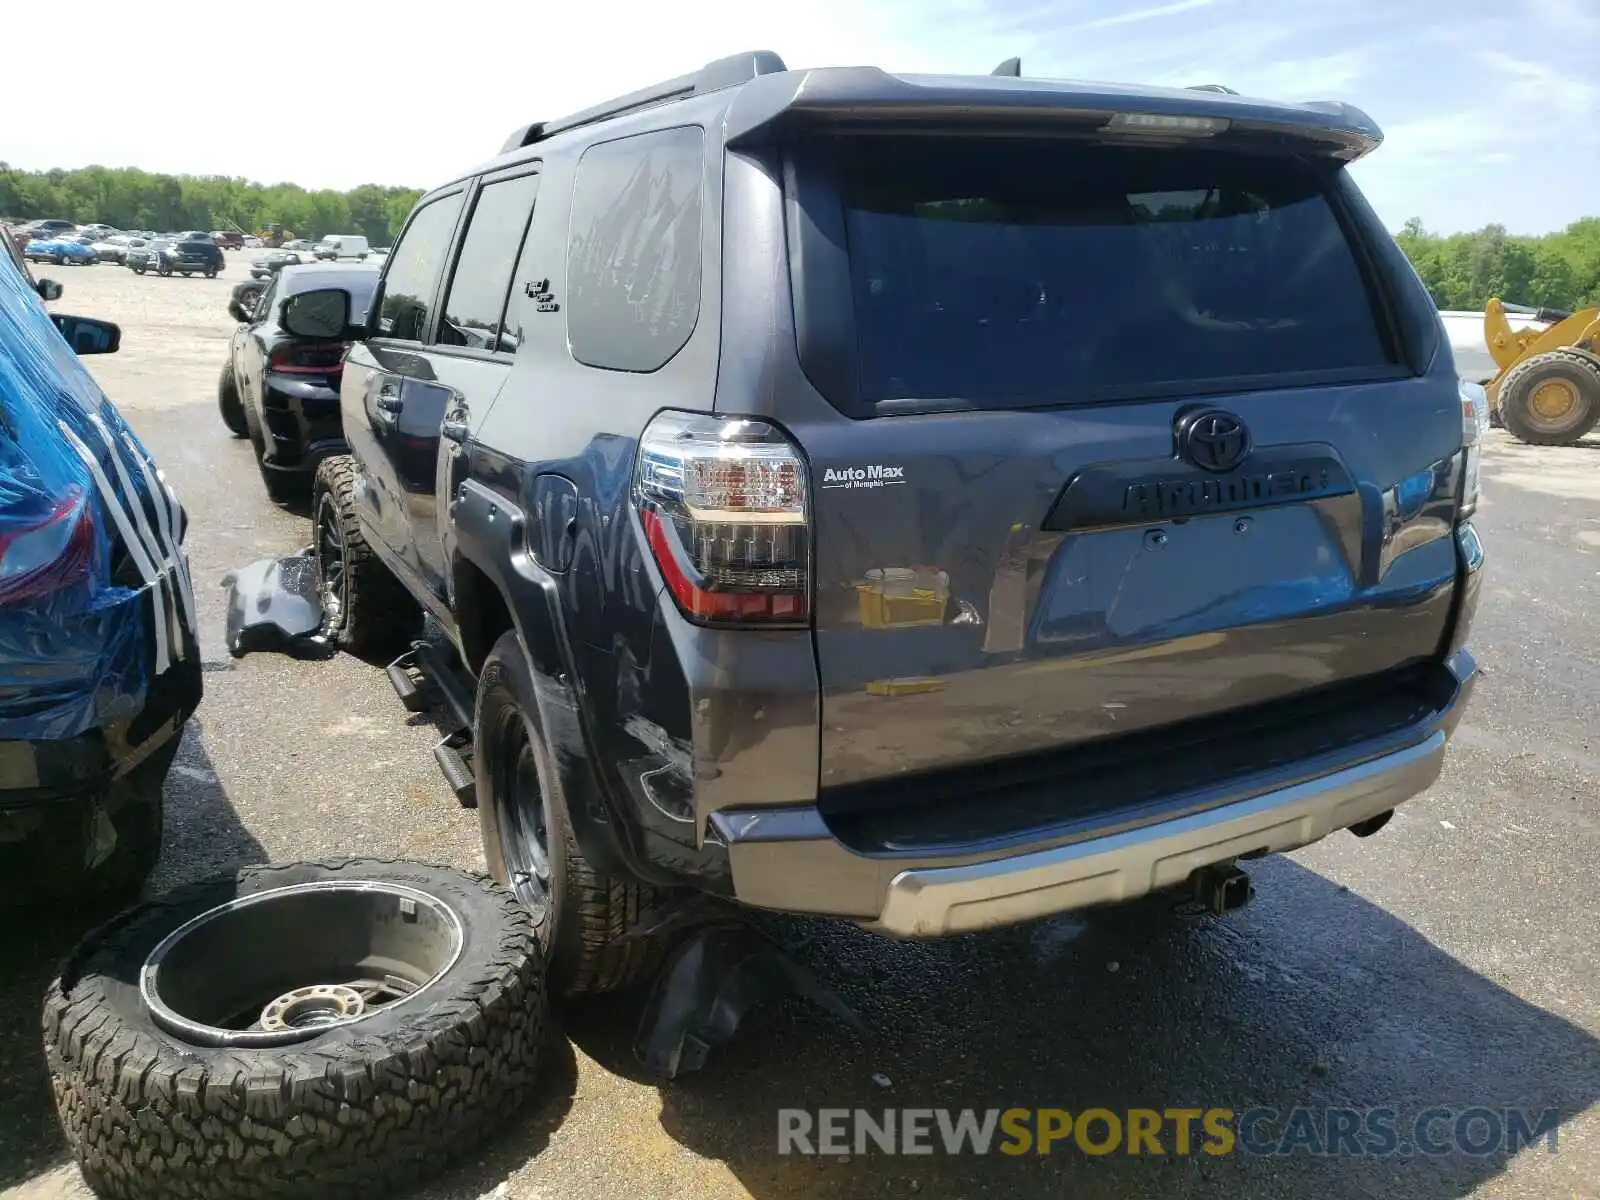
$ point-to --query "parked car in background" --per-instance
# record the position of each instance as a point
(146, 256)
(195, 254)
(60, 250)
(50, 228)
(302, 244)
(113, 248)
(172, 256)
(251, 242)
(282, 391)
(343, 245)
(99, 666)
(229, 239)
(242, 301)
(270, 264)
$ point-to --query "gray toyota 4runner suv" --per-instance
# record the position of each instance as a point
(932, 502)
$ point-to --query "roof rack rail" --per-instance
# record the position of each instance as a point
(1211, 87)
(714, 76)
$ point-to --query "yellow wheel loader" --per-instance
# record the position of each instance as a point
(1547, 389)
(274, 235)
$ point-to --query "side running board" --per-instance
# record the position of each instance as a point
(426, 680)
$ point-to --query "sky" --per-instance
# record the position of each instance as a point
(1490, 108)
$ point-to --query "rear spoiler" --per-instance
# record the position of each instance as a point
(771, 106)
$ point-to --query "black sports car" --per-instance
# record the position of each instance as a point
(282, 391)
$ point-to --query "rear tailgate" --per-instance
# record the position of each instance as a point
(1128, 440)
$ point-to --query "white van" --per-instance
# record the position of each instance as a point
(343, 245)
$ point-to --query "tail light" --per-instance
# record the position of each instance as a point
(307, 358)
(725, 508)
(1474, 425)
(48, 555)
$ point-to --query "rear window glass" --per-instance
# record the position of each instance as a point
(633, 263)
(1003, 273)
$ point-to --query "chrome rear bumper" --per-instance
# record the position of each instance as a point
(788, 858)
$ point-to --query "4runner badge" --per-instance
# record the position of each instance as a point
(874, 475)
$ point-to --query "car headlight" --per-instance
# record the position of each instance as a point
(1474, 427)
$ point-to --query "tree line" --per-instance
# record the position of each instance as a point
(128, 198)
(1461, 270)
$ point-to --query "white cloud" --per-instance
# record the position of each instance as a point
(1144, 14)
(1567, 16)
(1546, 88)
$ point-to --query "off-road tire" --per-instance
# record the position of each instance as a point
(1580, 370)
(368, 1108)
(588, 911)
(230, 403)
(380, 618)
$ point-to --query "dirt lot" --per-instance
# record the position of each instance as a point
(1450, 961)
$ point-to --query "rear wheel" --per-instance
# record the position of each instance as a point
(580, 914)
(366, 610)
(1552, 399)
(230, 403)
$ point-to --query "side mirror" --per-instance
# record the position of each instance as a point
(48, 289)
(323, 314)
(88, 335)
(237, 311)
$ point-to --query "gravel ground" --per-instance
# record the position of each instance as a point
(1449, 961)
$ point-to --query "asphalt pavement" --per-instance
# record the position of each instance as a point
(1450, 962)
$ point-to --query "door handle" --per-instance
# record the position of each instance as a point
(454, 427)
(390, 402)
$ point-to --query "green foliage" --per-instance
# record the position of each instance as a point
(1461, 270)
(129, 198)
(1558, 270)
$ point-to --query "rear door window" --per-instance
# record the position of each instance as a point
(1003, 273)
(474, 308)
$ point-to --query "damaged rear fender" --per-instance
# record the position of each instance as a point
(487, 527)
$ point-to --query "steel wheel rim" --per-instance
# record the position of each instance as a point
(363, 947)
(1553, 402)
(524, 833)
(330, 553)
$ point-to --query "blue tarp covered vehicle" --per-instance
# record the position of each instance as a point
(99, 666)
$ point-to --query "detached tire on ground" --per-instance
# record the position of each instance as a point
(1551, 399)
(230, 404)
(580, 913)
(369, 612)
(447, 1046)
